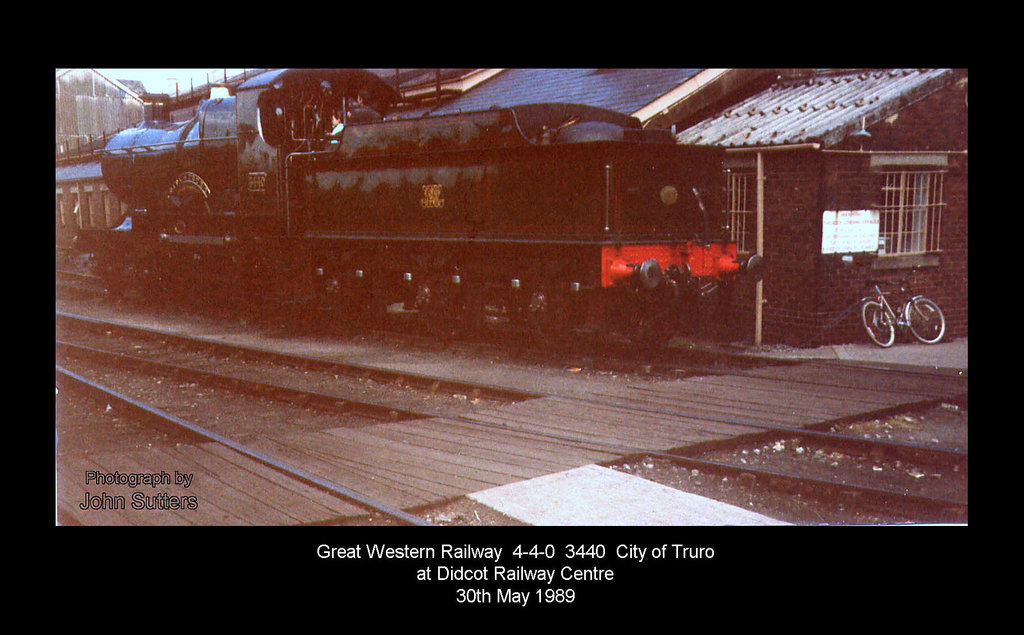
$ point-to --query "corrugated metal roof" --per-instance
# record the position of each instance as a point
(622, 90)
(822, 107)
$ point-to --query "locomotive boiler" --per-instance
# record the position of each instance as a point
(555, 218)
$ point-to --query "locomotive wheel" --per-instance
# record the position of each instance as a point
(370, 308)
(649, 333)
(546, 316)
(118, 280)
(472, 316)
(648, 326)
(436, 302)
(361, 301)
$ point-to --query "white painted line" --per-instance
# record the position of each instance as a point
(597, 496)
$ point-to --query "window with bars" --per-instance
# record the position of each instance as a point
(910, 216)
(741, 206)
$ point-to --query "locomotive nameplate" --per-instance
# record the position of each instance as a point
(433, 197)
(257, 181)
(189, 192)
(189, 181)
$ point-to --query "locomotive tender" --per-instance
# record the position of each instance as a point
(554, 217)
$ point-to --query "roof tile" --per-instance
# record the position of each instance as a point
(622, 90)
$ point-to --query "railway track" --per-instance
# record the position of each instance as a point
(338, 409)
(393, 378)
(585, 350)
(178, 425)
(238, 352)
(78, 282)
(387, 411)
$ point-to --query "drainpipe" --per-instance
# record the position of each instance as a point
(759, 286)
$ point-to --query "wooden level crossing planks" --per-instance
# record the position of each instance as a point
(414, 463)
(794, 395)
(282, 488)
(673, 413)
(530, 452)
(444, 472)
(458, 463)
(72, 488)
(910, 382)
(707, 403)
(323, 456)
(215, 492)
(295, 502)
(230, 489)
(756, 400)
(607, 427)
(409, 464)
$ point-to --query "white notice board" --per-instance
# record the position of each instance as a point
(849, 231)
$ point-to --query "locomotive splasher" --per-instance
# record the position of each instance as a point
(553, 217)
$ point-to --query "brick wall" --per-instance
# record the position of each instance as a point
(937, 122)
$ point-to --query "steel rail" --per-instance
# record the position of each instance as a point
(936, 453)
(883, 494)
(903, 448)
(78, 275)
(887, 495)
(854, 367)
(903, 369)
(829, 437)
(73, 287)
(262, 457)
(298, 396)
(383, 375)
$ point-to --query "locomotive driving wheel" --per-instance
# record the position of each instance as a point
(360, 294)
(119, 279)
(648, 323)
(546, 317)
(649, 332)
(438, 303)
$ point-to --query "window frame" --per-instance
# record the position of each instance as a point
(741, 206)
(911, 204)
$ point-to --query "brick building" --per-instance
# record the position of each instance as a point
(854, 175)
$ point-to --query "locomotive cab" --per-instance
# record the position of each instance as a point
(291, 108)
(288, 111)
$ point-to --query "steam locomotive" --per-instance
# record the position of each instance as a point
(555, 218)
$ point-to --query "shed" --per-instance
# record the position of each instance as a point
(89, 105)
(838, 177)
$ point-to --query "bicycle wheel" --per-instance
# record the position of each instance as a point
(878, 323)
(926, 320)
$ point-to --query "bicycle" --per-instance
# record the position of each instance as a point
(922, 316)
